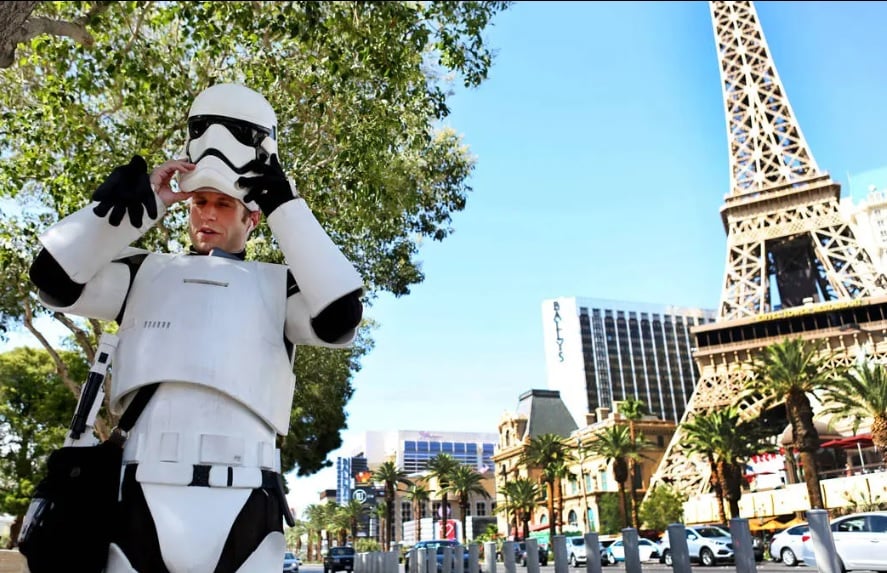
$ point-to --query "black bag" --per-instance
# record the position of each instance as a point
(73, 509)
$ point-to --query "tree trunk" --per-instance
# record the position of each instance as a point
(879, 435)
(730, 476)
(800, 414)
(12, 28)
(552, 520)
(715, 481)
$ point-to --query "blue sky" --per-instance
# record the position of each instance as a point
(601, 168)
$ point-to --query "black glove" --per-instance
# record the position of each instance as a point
(127, 189)
(269, 190)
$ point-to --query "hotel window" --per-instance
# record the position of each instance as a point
(480, 509)
(406, 511)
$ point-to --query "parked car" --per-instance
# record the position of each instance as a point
(339, 558)
(436, 545)
(707, 544)
(290, 563)
(647, 550)
(860, 541)
(786, 545)
(520, 553)
(576, 554)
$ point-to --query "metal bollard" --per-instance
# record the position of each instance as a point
(390, 562)
(630, 545)
(412, 561)
(459, 559)
(823, 542)
(490, 557)
(559, 547)
(743, 550)
(422, 561)
(446, 563)
(677, 547)
(508, 548)
(474, 558)
(592, 553)
(532, 547)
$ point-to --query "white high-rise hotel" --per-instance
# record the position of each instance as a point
(598, 352)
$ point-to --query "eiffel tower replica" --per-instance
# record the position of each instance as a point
(794, 268)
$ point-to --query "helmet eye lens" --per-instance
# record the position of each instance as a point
(243, 131)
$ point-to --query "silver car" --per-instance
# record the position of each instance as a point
(787, 544)
(860, 541)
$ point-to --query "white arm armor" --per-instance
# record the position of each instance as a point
(319, 267)
(82, 243)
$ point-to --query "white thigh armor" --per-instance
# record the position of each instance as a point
(210, 321)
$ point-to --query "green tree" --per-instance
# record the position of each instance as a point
(354, 511)
(611, 515)
(360, 89)
(314, 516)
(391, 477)
(441, 467)
(547, 452)
(633, 410)
(662, 507)
(699, 434)
(788, 371)
(523, 495)
(614, 444)
(860, 394)
(418, 495)
(465, 483)
(35, 410)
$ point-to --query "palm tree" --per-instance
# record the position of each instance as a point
(787, 371)
(465, 482)
(633, 410)
(699, 435)
(730, 443)
(418, 496)
(581, 454)
(314, 514)
(380, 512)
(441, 467)
(557, 472)
(392, 476)
(340, 523)
(354, 511)
(614, 444)
(861, 393)
(546, 451)
(523, 495)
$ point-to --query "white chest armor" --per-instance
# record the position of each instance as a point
(212, 321)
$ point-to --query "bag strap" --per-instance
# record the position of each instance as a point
(134, 410)
(132, 413)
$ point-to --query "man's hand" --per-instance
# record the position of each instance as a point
(270, 189)
(163, 174)
(126, 190)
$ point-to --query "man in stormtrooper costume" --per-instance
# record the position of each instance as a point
(200, 489)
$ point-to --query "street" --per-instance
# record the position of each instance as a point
(763, 566)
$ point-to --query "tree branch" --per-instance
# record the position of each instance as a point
(60, 365)
(79, 335)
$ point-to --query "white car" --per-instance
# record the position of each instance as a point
(786, 545)
(576, 551)
(647, 550)
(707, 544)
(860, 541)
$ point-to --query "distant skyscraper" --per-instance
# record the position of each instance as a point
(598, 352)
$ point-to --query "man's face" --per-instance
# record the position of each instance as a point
(219, 221)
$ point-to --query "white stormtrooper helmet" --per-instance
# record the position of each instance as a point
(229, 125)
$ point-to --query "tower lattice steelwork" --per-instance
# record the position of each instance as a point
(793, 266)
